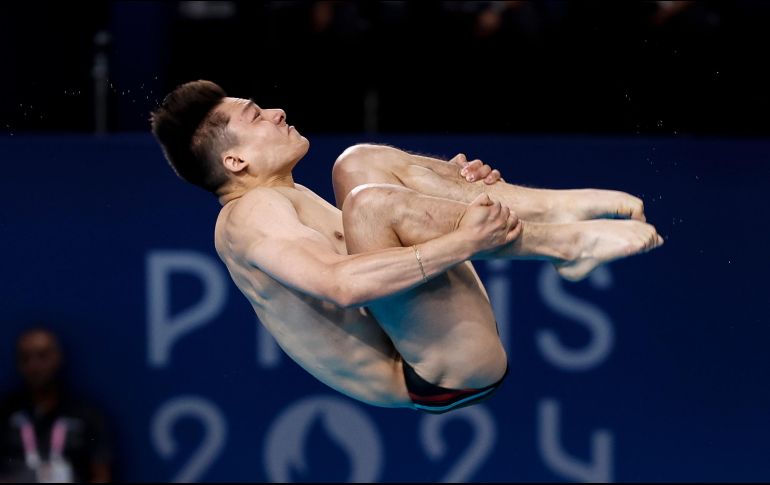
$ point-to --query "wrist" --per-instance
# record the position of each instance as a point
(463, 244)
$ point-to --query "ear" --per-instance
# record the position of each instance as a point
(233, 162)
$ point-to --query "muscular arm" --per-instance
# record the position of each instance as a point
(267, 228)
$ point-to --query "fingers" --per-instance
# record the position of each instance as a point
(471, 170)
(483, 171)
(515, 227)
(478, 170)
(459, 160)
(493, 177)
(496, 209)
(482, 199)
(511, 219)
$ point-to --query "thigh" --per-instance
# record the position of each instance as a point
(444, 328)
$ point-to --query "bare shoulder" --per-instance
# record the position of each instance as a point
(259, 206)
(253, 216)
(313, 195)
(307, 191)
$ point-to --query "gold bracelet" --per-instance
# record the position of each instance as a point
(419, 261)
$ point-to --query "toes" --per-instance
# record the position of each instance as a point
(634, 208)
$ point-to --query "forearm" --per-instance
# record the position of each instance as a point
(365, 277)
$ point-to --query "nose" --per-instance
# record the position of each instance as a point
(279, 116)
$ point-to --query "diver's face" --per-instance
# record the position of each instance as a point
(264, 139)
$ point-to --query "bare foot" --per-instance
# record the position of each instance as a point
(585, 204)
(602, 241)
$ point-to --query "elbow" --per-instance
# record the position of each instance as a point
(343, 291)
(347, 298)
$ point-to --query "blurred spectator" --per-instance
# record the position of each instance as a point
(45, 434)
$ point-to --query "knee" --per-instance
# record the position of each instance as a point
(352, 159)
(367, 202)
(370, 200)
(359, 154)
(359, 158)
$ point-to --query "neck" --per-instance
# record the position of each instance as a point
(234, 192)
(45, 399)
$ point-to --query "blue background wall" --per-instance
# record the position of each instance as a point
(653, 369)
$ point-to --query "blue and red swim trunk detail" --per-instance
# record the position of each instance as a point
(437, 400)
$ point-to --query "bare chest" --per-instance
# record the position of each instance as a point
(317, 214)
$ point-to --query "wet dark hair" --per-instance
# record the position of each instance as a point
(193, 134)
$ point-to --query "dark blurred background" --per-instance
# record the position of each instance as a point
(652, 67)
